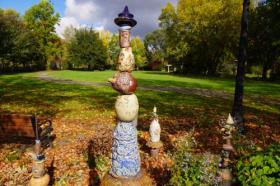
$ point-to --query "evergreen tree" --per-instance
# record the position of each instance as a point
(86, 50)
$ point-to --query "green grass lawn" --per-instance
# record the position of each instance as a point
(20, 93)
(24, 93)
(257, 88)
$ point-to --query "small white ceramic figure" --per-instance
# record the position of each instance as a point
(155, 128)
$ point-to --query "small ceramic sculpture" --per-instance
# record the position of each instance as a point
(39, 174)
(124, 82)
(154, 143)
(127, 107)
(155, 128)
(227, 148)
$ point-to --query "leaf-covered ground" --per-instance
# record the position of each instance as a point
(83, 119)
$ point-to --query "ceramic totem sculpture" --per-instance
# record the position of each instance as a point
(125, 169)
(125, 156)
(126, 165)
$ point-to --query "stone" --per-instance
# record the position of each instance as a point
(127, 107)
(126, 61)
(124, 82)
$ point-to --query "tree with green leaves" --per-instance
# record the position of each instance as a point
(41, 19)
(155, 48)
(139, 52)
(201, 34)
(19, 48)
(86, 50)
(264, 38)
(113, 49)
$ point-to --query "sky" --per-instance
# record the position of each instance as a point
(98, 14)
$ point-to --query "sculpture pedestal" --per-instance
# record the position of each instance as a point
(142, 179)
(155, 146)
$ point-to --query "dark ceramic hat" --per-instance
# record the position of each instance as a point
(125, 18)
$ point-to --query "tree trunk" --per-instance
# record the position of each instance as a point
(237, 109)
(264, 71)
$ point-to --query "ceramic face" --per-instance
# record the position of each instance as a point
(124, 83)
(126, 60)
(124, 38)
(127, 107)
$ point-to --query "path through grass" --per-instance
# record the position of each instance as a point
(258, 88)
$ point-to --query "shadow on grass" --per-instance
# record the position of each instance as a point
(26, 95)
(23, 95)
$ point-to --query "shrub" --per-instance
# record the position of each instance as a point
(190, 168)
(261, 168)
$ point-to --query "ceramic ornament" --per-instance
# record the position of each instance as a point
(124, 82)
(127, 107)
(230, 120)
(126, 61)
(154, 143)
(124, 38)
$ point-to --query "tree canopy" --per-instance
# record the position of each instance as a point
(19, 46)
(41, 19)
(86, 50)
(201, 35)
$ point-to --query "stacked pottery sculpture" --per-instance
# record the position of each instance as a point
(125, 156)
(225, 173)
(39, 174)
(126, 165)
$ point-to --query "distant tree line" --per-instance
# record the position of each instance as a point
(195, 37)
(202, 37)
(88, 49)
(27, 42)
